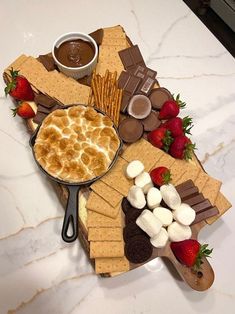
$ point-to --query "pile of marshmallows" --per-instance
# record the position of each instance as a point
(158, 222)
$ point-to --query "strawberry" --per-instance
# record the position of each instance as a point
(182, 147)
(178, 126)
(24, 110)
(160, 138)
(160, 176)
(19, 87)
(171, 108)
(190, 252)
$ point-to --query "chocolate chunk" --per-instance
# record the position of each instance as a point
(188, 193)
(47, 61)
(97, 36)
(158, 96)
(139, 107)
(129, 83)
(126, 206)
(131, 57)
(206, 214)
(206, 204)
(43, 109)
(138, 249)
(130, 130)
(45, 101)
(132, 215)
(185, 185)
(131, 230)
(195, 200)
(151, 122)
(39, 117)
(141, 71)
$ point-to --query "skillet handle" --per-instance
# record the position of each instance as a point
(71, 215)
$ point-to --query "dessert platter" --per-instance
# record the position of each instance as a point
(118, 152)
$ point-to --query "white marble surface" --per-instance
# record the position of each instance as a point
(38, 272)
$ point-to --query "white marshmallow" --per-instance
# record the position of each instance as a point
(154, 198)
(163, 214)
(170, 196)
(160, 240)
(178, 232)
(134, 168)
(136, 197)
(149, 223)
(184, 214)
(144, 181)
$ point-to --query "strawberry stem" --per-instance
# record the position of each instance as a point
(188, 151)
(187, 124)
(14, 111)
(167, 141)
(166, 177)
(180, 103)
(11, 85)
(203, 252)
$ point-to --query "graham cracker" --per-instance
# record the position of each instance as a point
(98, 204)
(114, 41)
(16, 64)
(191, 172)
(164, 161)
(178, 169)
(113, 32)
(106, 249)
(143, 151)
(105, 234)
(97, 220)
(110, 195)
(201, 180)
(116, 178)
(222, 204)
(54, 84)
(211, 189)
(108, 265)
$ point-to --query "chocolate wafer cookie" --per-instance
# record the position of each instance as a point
(131, 230)
(138, 249)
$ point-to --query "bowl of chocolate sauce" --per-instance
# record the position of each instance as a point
(75, 54)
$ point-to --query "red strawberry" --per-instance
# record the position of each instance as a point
(24, 110)
(19, 87)
(179, 126)
(160, 176)
(182, 148)
(160, 138)
(190, 252)
(171, 108)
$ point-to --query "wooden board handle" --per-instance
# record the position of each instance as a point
(200, 280)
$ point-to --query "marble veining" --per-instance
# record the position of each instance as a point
(39, 273)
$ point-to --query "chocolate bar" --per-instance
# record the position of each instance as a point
(142, 71)
(206, 214)
(45, 101)
(131, 57)
(47, 61)
(203, 206)
(40, 116)
(97, 36)
(129, 83)
(185, 185)
(195, 200)
(188, 193)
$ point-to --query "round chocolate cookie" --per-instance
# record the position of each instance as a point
(158, 96)
(138, 249)
(130, 130)
(131, 230)
(132, 215)
(151, 122)
(126, 206)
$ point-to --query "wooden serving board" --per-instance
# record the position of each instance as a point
(196, 280)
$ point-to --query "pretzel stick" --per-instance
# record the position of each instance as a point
(119, 106)
(94, 87)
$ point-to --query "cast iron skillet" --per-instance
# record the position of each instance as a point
(71, 212)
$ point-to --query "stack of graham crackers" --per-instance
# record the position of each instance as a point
(104, 217)
(54, 84)
(114, 40)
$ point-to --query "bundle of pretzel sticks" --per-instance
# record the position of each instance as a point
(105, 94)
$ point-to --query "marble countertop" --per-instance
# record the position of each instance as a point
(39, 273)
